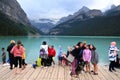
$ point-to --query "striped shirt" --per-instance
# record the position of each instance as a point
(112, 53)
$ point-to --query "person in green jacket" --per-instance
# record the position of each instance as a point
(38, 63)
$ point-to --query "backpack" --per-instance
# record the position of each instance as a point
(42, 51)
(43, 54)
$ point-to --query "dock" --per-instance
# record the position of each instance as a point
(56, 73)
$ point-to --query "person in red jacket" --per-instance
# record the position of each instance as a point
(51, 54)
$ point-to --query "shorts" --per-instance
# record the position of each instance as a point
(60, 58)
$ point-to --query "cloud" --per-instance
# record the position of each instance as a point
(116, 2)
(99, 4)
(36, 9)
(103, 4)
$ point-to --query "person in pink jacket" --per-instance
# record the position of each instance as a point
(17, 51)
(87, 58)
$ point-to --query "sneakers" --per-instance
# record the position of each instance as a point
(112, 70)
(11, 68)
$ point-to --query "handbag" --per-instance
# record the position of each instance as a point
(70, 58)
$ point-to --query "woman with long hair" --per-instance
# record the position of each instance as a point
(94, 59)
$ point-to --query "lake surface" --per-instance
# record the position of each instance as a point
(32, 44)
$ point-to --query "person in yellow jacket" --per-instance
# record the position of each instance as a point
(23, 59)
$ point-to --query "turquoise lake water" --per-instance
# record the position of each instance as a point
(32, 45)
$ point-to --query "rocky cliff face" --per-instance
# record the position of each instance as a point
(83, 14)
(14, 21)
(14, 11)
(75, 15)
(93, 13)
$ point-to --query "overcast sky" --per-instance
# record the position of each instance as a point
(36, 9)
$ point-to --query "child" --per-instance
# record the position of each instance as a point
(113, 51)
(3, 55)
(87, 58)
(23, 59)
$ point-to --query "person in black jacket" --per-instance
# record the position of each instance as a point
(75, 53)
(11, 56)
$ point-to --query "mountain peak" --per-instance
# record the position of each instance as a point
(85, 9)
(113, 6)
(118, 7)
(115, 10)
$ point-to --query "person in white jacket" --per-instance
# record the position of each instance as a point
(44, 46)
(44, 56)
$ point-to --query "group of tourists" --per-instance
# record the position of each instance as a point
(46, 55)
(16, 56)
(84, 54)
(78, 57)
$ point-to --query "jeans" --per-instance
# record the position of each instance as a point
(111, 65)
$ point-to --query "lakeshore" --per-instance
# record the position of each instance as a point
(56, 73)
